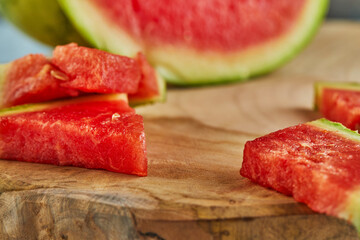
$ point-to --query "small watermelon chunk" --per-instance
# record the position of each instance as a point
(152, 86)
(100, 132)
(92, 70)
(339, 102)
(31, 79)
(317, 163)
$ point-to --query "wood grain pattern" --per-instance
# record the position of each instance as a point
(195, 143)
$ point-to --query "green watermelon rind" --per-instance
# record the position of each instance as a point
(319, 8)
(41, 19)
(34, 107)
(323, 8)
(320, 86)
(336, 128)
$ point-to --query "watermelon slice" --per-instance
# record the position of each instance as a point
(339, 102)
(100, 132)
(152, 87)
(92, 70)
(203, 41)
(77, 70)
(31, 79)
(317, 163)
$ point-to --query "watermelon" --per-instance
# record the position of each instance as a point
(99, 132)
(31, 79)
(152, 87)
(339, 102)
(92, 70)
(317, 163)
(41, 19)
(75, 70)
(200, 42)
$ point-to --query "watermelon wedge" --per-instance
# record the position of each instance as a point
(100, 132)
(31, 78)
(92, 70)
(317, 163)
(152, 87)
(200, 42)
(339, 102)
(74, 71)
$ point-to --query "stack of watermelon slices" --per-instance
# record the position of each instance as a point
(96, 130)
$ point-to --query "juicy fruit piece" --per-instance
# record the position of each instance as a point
(200, 42)
(100, 132)
(31, 79)
(152, 87)
(42, 19)
(317, 162)
(339, 102)
(92, 70)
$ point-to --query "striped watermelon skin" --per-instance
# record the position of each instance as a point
(96, 134)
(317, 163)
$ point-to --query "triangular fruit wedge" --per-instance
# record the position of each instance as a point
(339, 102)
(93, 70)
(152, 87)
(97, 131)
(30, 79)
(317, 163)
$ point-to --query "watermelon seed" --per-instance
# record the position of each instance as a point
(59, 75)
(115, 116)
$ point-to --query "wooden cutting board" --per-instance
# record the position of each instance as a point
(195, 142)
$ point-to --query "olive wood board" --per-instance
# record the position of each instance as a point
(194, 143)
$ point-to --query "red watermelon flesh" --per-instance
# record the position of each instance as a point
(31, 79)
(199, 24)
(98, 132)
(92, 70)
(317, 163)
(339, 102)
(149, 84)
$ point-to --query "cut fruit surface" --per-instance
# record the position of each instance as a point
(74, 71)
(200, 42)
(31, 79)
(339, 102)
(92, 70)
(152, 87)
(100, 132)
(317, 163)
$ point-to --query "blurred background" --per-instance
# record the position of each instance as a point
(15, 44)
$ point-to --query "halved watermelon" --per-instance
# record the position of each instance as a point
(75, 70)
(317, 162)
(99, 131)
(203, 41)
(339, 102)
